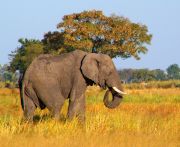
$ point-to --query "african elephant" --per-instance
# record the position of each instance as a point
(49, 80)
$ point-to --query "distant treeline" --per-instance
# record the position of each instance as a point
(153, 84)
(10, 79)
(145, 75)
(7, 78)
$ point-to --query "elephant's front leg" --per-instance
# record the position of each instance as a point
(77, 108)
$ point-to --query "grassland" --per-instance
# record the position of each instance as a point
(147, 117)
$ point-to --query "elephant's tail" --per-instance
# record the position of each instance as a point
(22, 90)
(22, 96)
(24, 81)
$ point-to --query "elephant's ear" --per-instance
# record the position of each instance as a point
(89, 67)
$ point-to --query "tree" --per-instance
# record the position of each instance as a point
(89, 31)
(142, 75)
(6, 75)
(159, 74)
(24, 54)
(53, 43)
(92, 31)
(126, 74)
(173, 71)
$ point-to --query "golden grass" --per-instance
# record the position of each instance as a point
(141, 120)
(6, 91)
(160, 91)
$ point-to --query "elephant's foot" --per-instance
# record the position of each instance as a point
(56, 116)
(79, 115)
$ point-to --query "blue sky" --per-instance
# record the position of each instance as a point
(33, 18)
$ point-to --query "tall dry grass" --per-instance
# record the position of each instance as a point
(148, 117)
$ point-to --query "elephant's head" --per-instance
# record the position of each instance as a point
(100, 69)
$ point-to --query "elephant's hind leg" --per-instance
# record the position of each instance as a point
(51, 98)
(48, 91)
(29, 108)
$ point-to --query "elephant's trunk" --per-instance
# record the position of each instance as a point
(116, 99)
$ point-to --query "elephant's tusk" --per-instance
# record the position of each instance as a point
(119, 91)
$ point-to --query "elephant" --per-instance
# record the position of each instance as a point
(51, 79)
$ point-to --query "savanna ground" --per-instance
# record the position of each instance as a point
(146, 117)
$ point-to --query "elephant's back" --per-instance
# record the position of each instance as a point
(37, 67)
(47, 65)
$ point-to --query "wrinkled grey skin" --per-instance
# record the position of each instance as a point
(49, 80)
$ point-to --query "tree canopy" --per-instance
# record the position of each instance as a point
(23, 55)
(92, 31)
(173, 71)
